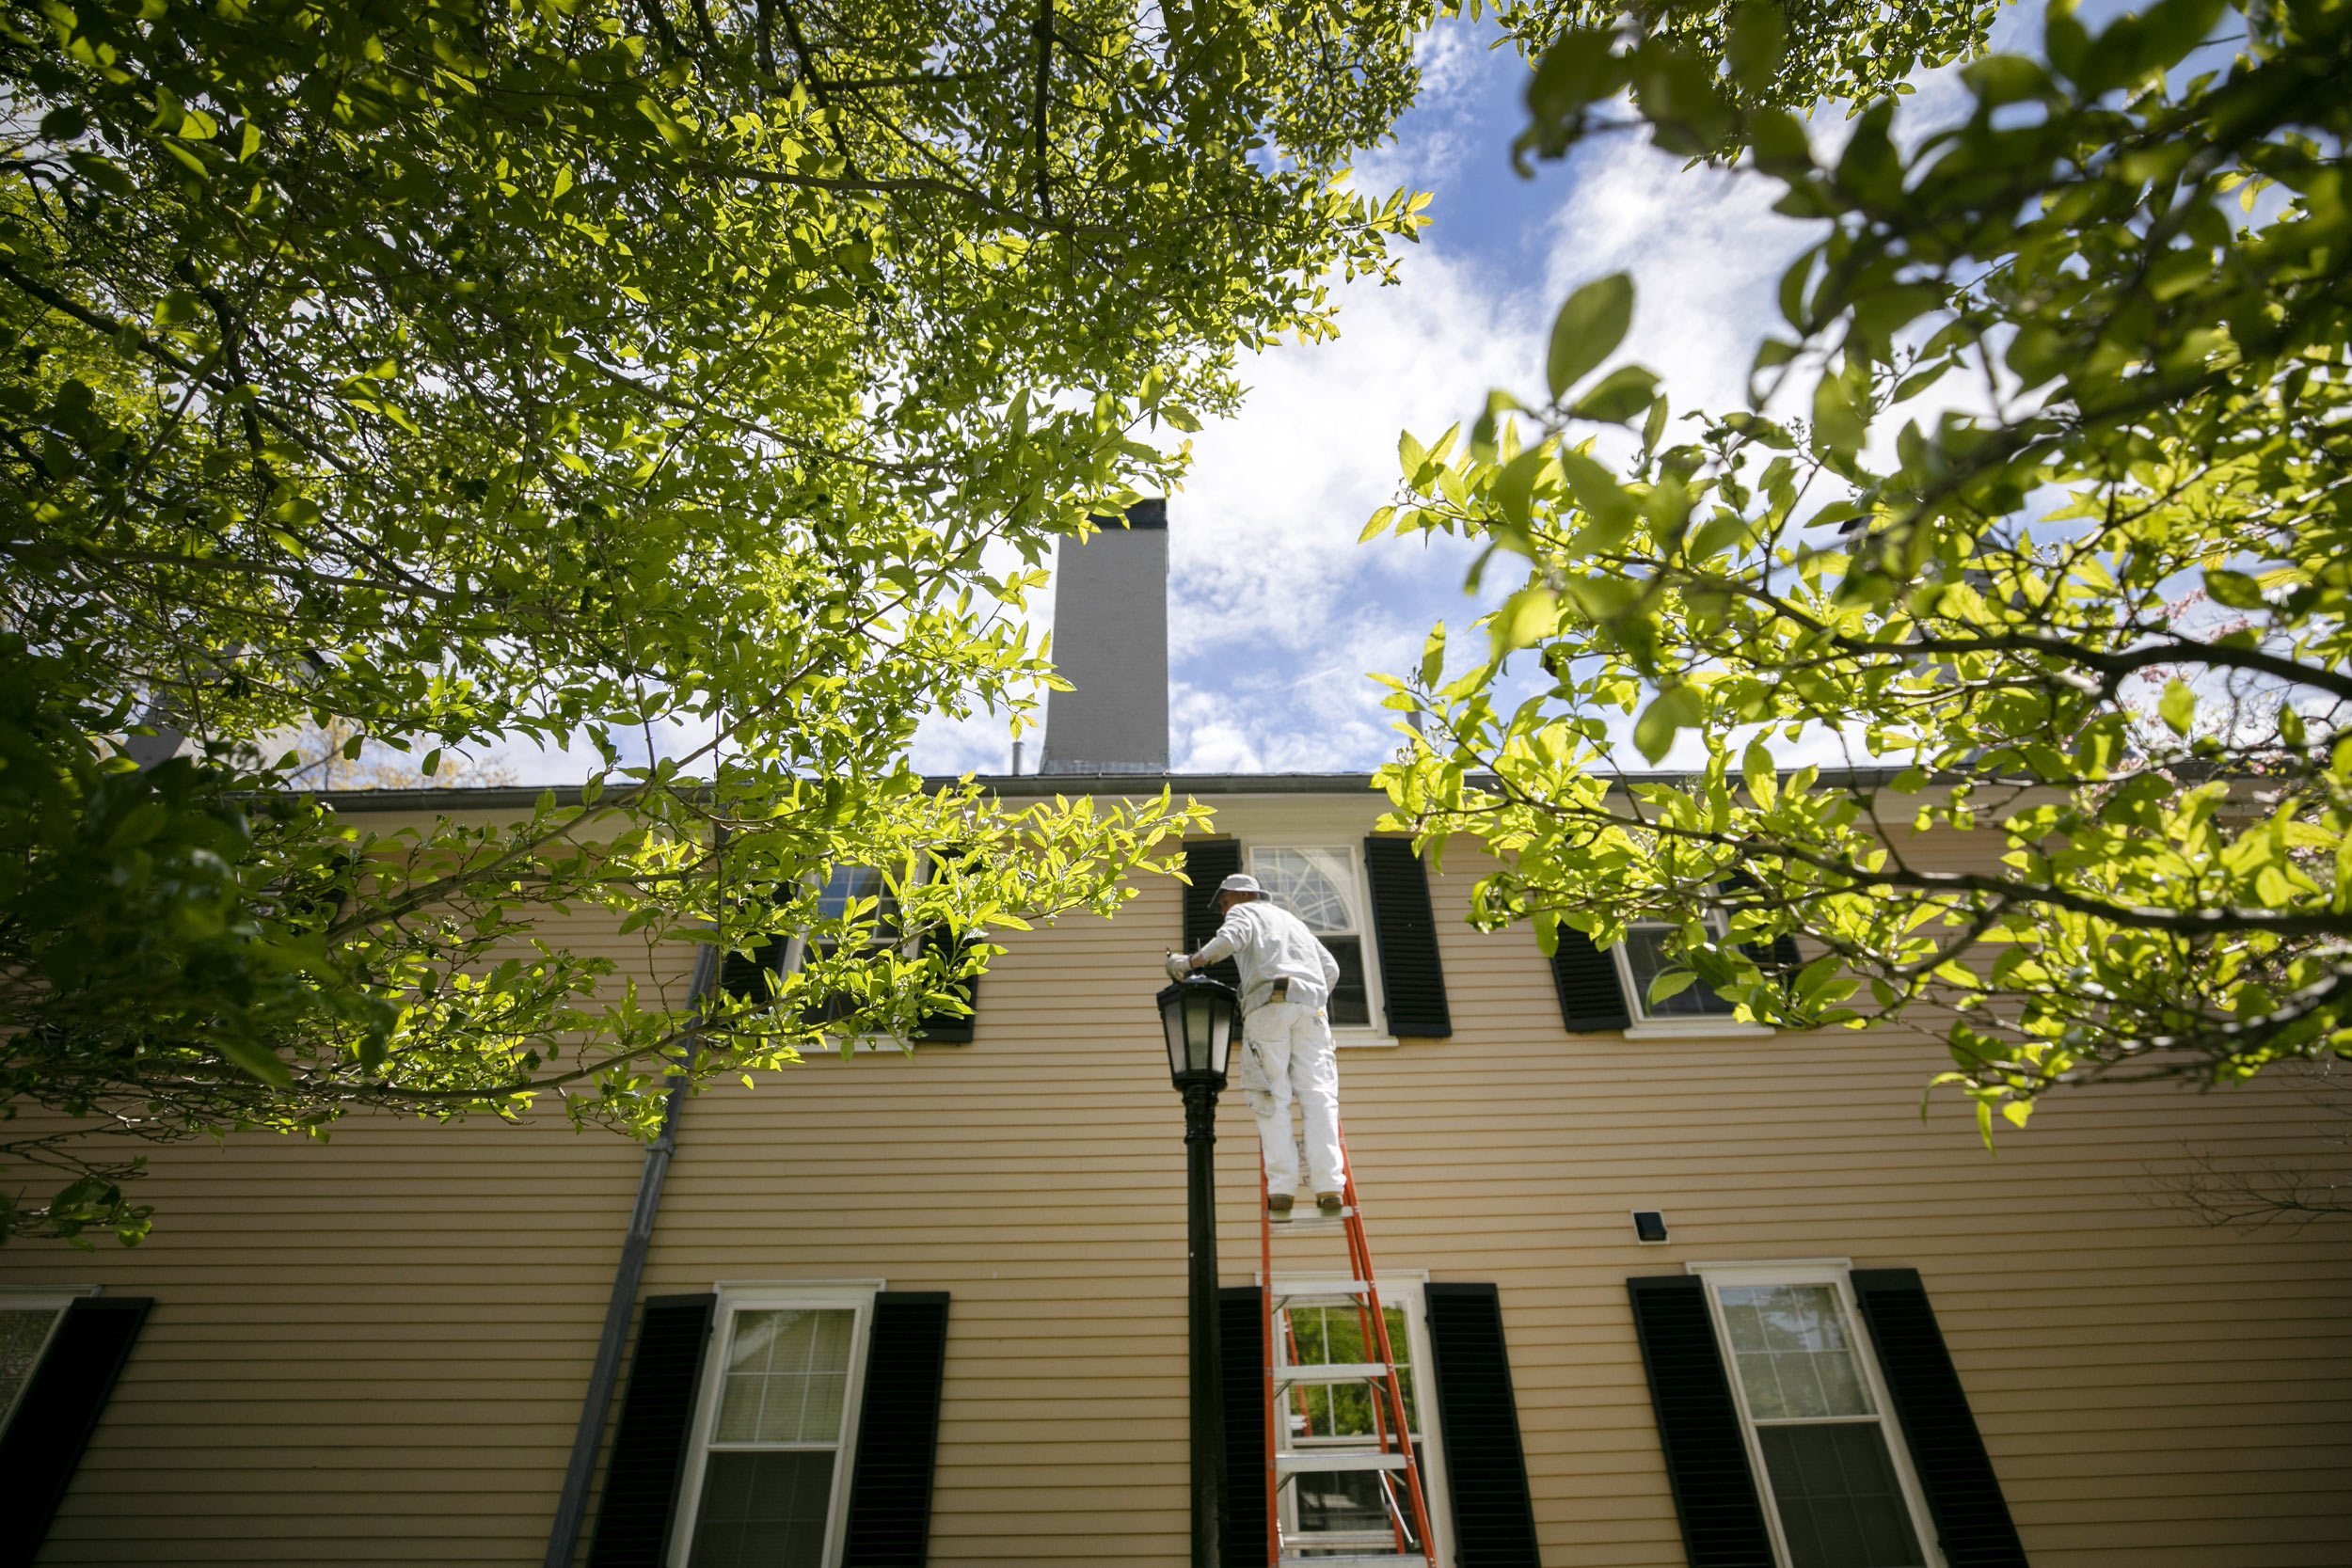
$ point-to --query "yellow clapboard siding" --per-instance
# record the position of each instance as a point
(372, 1350)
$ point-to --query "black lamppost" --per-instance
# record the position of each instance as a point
(1198, 1015)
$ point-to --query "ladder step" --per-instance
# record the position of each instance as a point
(1314, 1226)
(1326, 1287)
(1337, 1371)
(1385, 1559)
(1315, 1464)
(1311, 1215)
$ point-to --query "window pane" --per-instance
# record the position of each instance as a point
(849, 883)
(1326, 1336)
(787, 1371)
(1796, 1358)
(23, 1332)
(1339, 1500)
(1316, 885)
(1646, 956)
(1350, 1006)
(764, 1511)
(1840, 1505)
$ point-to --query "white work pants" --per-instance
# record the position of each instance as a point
(1288, 1054)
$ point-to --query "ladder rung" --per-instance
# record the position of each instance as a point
(1319, 1463)
(1337, 1371)
(1335, 1287)
(1386, 1560)
(1298, 1216)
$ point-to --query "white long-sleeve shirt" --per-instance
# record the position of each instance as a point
(1271, 944)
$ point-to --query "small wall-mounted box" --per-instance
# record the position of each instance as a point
(1649, 1227)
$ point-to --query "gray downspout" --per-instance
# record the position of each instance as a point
(572, 1507)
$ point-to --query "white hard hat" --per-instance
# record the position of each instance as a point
(1240, 881)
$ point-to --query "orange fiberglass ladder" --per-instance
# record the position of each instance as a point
(1387, 1451)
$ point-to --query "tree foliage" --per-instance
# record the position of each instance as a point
(697, 385)
(1721, 58)
(2036, 535)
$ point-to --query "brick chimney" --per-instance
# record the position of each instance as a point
(1110, 643)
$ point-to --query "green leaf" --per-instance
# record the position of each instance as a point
(2178, 706)
(1677, 707)
(2233, 589)
(1836, 426)
(1623, 393)
(1516, 483)
(1587, 331)
(1526, 618)
(1670, 983)
(1757, 44)
(1433, 657)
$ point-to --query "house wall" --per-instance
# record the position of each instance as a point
(374, 1351)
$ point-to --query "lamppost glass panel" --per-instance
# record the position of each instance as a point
(1197, 1015)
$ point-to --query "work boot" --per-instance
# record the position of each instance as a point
(1327, 1205)
(1278, 1205)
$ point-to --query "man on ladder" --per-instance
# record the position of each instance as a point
(1286, 977)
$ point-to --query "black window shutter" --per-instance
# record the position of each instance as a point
(1406, 934)
(1209, 862)
(945, 1028)
(1964, 1494)
(59, 1411)
(1698, 1425)
(744, 976)
(641, 1481)
(1779, 955)
(1485, 1466)
(1241, 1334)
(897, 1436)
(1591, 1000)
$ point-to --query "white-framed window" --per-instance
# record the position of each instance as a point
(766, 1481)
(1836, 1482)
(1324, 885)
(1353, 1512)
(28, 1323)
(1695, 1008)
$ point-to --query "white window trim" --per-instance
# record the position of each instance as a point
(1816, 1271)
(1354, 1037)
(1706, 1026)
(1400, 1288)
(21, 1298)
(857, 1295)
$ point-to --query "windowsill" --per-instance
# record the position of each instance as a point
(1695, 1029)
(1361, 1040)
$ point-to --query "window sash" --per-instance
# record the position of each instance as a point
(857, 1299)
(1873, 1383)
(1637, 990)
(1399, 1291)
(1356, 893)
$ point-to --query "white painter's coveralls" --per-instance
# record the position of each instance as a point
(1286, 1046)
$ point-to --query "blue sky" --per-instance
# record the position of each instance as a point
(1276, 612)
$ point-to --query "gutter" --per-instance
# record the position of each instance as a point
(604, 1375)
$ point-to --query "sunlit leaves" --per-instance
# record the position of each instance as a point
(2074, 619)
(586, 380)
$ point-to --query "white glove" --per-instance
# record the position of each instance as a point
(1178, 965)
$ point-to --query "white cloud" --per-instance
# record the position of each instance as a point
(1705, 252)
(1276, 612)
